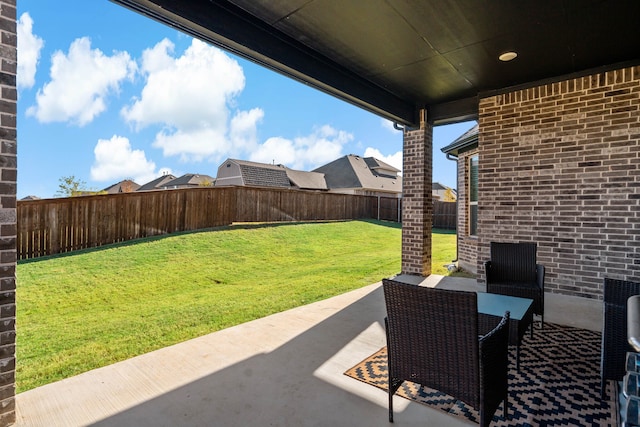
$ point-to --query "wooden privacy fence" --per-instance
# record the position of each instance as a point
(51, 226)
(444, 215)
(267, 205)
(390, 209)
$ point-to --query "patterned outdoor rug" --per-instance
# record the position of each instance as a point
(558, 382)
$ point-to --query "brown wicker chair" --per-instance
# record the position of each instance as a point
(513, 270)
(433, 340)
(614, 330)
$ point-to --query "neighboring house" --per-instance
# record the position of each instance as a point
(242, 172)
(188, 180)
(442, 192)
(367, 176)
(304, 180)
(157, 183)
(125, 186)
(31, 198)
(465, 150)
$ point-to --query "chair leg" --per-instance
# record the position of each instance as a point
(531, 330)
(506, 406)
(394, 385)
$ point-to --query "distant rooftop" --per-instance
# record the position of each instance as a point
(157, 183)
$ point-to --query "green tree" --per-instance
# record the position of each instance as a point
(69, 186)
(449, 196)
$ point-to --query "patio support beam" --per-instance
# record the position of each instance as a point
(417, 203)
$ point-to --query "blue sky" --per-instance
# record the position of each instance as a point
(105, 94)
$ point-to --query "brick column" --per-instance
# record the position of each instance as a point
(8, 228)
(417, 204)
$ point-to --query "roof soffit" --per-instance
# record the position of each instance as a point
(394, 57)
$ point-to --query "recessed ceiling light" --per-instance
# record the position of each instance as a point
(508, 56)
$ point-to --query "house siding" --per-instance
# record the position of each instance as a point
(8, 226)
(560, 166)
(229, 175)
(417, 206)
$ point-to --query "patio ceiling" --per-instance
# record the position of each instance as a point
(393, 57)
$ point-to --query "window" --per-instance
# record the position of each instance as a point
(473, 195)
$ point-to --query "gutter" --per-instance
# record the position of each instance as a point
(397, 126)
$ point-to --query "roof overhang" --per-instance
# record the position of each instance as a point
(394, 58)
(465, 142)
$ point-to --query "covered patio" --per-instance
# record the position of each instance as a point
(286, 370)
(555, 88)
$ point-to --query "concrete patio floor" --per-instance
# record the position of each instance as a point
(283, 370)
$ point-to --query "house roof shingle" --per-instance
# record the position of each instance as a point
(124, 186)
(353, 171)
(279, 176)
(307, 180)
(263, 174)
(464, 142)
(381, 167)
(155, 184)
(188, 180)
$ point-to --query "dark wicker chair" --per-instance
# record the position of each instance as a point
(614, 330)
(513, 270)
(433, 340)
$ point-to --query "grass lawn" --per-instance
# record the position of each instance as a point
(92, 308)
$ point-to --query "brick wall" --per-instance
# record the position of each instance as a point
(417, 206)
(8, 174)
(560, 165)
(467, 245)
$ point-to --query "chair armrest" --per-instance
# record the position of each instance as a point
(494, 357)
(540, 276)
(498, 334)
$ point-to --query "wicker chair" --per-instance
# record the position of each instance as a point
(614, 330)
(513, 270)
(433, 340)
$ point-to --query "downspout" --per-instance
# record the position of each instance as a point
(455, 159)
(397, 126)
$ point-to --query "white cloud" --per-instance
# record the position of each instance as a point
(29, 47)
(80, 83)
(244, 132)
(394, 160)
(190, 96)
(388, 125)
(194, 145)
(116, 160)
(158, 58)
(276, 150)
(323, 145)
